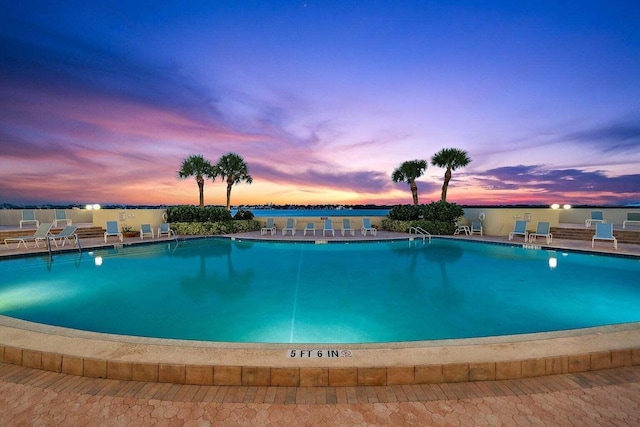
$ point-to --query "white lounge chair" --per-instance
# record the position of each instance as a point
(543, 229)
(112, 230)
(519, 229)
(29, 217)
(64, 235)
(269, 227)
(597, 217)
(476, 227)
(40, 234)
(61, 215)
(310, 227)
(462, 228)
(291, 226)
(346, 227)
(632, 218)
(145, 230)
(604, 232)
(165, 230)
(366, 226)
(328, 227)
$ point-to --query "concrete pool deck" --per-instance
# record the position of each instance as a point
(509, 372)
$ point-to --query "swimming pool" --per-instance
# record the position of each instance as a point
(266, 292)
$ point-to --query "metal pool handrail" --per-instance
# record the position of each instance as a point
(422, 232)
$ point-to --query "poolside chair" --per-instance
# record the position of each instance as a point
(65, 234)
(543, 230)
(346, 227)
(145, 230)
(61, 215)
(291, 226)
(164, 229)
(632, 218)
(597, 217)
(520, 228)
(269, 227)
(463, 228)
(41, 234)
(366, 226)
(476, 227)
(328, 226)
(604, 232)
(29, 217)
(311, 227)
(112, 230)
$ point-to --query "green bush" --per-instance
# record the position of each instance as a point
(432, 227)
(436, 218)
(187, 213)
(442, 211)
(243, 214)
(214, 228)
(405, 212)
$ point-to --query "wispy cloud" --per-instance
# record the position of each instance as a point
(557, 181)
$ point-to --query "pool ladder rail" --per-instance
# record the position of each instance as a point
(76, 237)
(422, 232)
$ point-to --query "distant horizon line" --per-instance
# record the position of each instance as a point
(295, 206)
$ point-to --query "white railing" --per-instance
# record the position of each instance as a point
(422, 232)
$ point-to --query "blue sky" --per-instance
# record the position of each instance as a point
(99, 103)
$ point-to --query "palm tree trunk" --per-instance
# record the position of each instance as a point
(229, 184)
(201, 189)
(414, 192)
(445, 185)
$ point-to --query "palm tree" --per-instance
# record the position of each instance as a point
(232, 168)
(196, 165)
(408, 172)
(452, 159)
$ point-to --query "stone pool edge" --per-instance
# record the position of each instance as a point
(205, 363)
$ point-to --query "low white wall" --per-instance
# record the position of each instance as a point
(130, 217)
(12, 217)
(579, 215)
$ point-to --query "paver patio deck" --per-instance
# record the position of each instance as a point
(604, 397)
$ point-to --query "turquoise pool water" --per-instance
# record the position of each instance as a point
(241, 291)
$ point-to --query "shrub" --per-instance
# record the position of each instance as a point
(442, 211)
(432, 227)
(243, 214)
(405, 212)
(212, 228)
(186, 213)
(435, 218)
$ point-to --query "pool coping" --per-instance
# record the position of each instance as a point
(209, 363)
(119, 357)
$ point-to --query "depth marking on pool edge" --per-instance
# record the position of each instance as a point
(318, 353)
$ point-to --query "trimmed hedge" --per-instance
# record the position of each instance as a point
(436, 217)
(213, 228)
(187, 213)
(432, 227)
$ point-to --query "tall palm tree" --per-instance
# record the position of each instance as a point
(408, 172)
(196, 165)
(233, 169)
(452, 159)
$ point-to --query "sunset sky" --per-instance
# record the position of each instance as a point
(101, 101)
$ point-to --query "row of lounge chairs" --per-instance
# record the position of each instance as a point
(43, 233)
(597, 217)
(604, 231)
(145, 230)
(29, 217)
(310, 227)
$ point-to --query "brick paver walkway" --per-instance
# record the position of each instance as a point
(600, 398)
